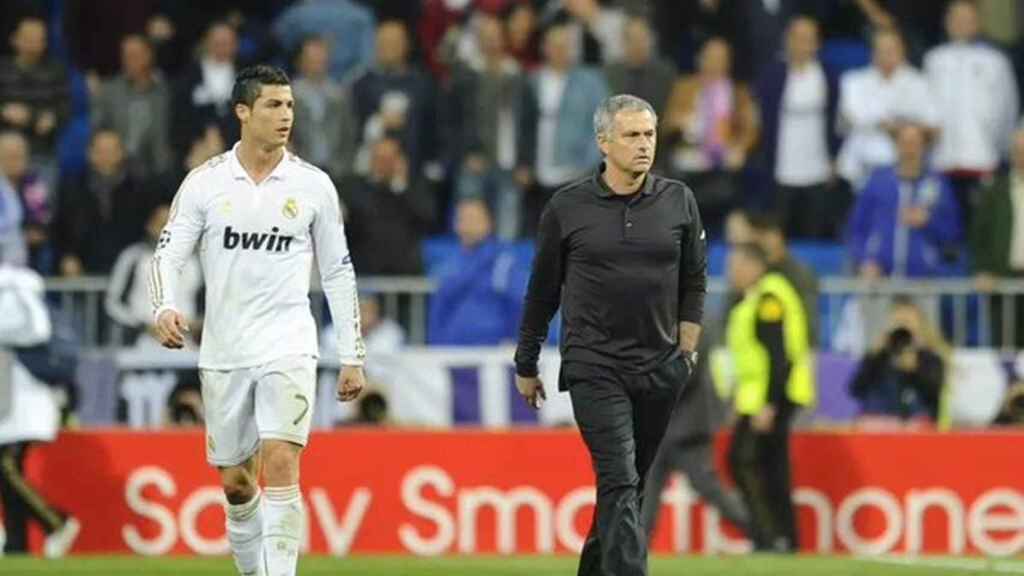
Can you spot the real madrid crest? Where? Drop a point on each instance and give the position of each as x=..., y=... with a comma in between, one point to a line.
x=291, y=209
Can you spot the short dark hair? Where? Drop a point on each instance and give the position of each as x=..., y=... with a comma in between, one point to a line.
x=250, y=82
x=752, y=251
x=765, y=221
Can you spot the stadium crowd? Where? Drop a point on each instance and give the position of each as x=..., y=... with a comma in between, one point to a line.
x=887, y=127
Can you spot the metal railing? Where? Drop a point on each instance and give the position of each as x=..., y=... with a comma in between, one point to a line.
x=966, y=317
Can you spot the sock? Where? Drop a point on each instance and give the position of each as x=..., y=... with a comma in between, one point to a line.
x=245, y=531
x=283, y=519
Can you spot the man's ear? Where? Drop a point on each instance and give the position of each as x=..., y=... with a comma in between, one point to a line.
x=602, y=143
x=242, y=112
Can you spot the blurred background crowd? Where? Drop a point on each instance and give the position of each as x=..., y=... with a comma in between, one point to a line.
x=877, y=140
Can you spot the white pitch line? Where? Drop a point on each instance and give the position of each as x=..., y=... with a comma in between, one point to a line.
x=971, y=565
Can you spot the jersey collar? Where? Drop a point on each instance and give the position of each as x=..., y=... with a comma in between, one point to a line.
x=239, y=173
x=603, y=190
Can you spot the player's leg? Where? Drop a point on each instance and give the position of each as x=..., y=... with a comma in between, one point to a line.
x=232, y=445
x=656, y=480
x=697, y=461
x=285, y=393
x=244, y=514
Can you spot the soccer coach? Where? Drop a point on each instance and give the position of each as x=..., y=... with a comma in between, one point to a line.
x=623, y=253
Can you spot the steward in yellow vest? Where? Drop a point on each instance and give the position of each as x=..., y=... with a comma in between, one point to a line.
x=774, y=375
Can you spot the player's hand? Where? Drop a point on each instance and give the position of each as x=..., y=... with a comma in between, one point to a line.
x=171, y=327
x=351, y=382
x=532, y=390
x=763, y=420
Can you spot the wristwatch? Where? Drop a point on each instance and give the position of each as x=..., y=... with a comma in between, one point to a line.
x=690, y=358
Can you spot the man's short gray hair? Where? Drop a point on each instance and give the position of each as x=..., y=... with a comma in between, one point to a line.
x=604, y=116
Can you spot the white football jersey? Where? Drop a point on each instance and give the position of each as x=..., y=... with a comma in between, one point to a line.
x=256, y=246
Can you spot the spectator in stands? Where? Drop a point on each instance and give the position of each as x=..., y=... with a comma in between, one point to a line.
x=758, y=32
x=203, y=95
x=873, y=102
x=906, y=220
x=325, y=128
x=479, y=294
x=738, y=229
x=208, y=145
x=34, y=198
x=976, y=95
x=346, y=26
x=521, y=27
x=997, y=245
x=34, y=95
x=709, y=128
x=903, y=377
x=396, y=98
x=98, y=215
x=381, y=334
x=768, y=234
x=185, y=406
x=388, y=212
x=798, y=104
x=486, y=100
x=136, y=105
x=595, y=29
x=12, y=239
x=127, y=300
x=641, y=72
x=383, y=337
x=556, y=143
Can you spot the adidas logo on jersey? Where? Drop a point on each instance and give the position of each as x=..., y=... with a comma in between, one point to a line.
x=257, y=241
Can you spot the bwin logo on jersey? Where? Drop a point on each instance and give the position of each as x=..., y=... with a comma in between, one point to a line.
x=257, y=241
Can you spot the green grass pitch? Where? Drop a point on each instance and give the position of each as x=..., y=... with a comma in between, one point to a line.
x=518, y=566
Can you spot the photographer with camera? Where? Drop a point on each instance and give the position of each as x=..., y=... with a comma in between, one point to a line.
x=902, y=380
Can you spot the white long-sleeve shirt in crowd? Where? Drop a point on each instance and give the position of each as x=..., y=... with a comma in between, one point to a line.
x=128, y=301
x=28, y=410
x=976, y=94
x=256, y=247
x=868, y=100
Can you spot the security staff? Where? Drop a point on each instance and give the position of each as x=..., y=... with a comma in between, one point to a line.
x=768, y=341
x=622, y=252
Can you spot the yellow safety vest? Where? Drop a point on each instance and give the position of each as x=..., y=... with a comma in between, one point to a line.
x=750, y=358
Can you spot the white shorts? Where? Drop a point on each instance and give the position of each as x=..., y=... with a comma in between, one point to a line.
x=273, y=401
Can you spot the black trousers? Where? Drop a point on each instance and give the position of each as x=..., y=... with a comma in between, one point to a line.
x=760, y=468
x=622, y=418
x=1006, y=320
x=693, y=457
x=21, y=501
x=809, y=210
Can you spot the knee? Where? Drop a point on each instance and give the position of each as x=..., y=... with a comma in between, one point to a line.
x=239, y=485
x=618, y=481
x=281, y=463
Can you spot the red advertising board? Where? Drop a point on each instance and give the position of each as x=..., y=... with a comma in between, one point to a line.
x=525, y=492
